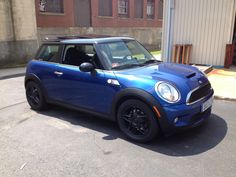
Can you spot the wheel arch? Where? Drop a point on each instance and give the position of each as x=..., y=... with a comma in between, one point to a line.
x=32, y=77
x=35, y=78
x=133, y=93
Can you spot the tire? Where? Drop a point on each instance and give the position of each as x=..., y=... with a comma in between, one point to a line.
x=137, y=121
x=35, y=97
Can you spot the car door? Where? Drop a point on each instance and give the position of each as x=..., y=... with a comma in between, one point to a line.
x=48, y=60
x=81, y=89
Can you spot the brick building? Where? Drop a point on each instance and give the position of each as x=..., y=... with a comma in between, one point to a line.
x=24, y=24
x=141, y=19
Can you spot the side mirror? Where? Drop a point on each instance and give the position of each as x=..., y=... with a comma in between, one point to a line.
x=86, y=67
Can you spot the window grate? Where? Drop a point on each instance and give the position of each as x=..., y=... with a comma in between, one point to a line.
x=123, y=6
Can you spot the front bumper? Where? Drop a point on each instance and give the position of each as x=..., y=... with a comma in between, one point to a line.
x=184, y=116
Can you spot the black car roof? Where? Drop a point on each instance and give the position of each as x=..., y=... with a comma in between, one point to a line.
x=82, y=39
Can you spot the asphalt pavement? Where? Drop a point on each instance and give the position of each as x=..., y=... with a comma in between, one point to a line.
x=61, y=143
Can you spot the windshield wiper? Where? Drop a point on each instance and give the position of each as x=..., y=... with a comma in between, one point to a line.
x=130, y=65
x=151, y=61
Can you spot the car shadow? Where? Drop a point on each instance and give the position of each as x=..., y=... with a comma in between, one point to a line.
x=193, y=141
x=190, y=142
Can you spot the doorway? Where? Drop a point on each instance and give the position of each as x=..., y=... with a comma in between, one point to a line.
x=83, y=13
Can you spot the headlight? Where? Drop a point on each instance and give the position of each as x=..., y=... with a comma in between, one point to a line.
x=167, y=92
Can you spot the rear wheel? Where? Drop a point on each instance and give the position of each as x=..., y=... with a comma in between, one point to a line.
x=35, y=96
x=137, y=121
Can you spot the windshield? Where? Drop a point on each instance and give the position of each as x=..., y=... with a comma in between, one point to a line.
x=125, y=54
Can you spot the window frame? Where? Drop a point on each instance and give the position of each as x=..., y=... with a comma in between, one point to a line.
x=50, y=12
x=125, y=6
x=63, y=54
x=102, y=15
x=142, y=6
x=66, y=48
x=159, y=6
x=152, y=2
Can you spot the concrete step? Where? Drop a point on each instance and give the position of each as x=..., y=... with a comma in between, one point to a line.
x=204, y=68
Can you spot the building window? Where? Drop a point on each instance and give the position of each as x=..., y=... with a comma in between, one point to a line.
x=150, y=9
x=160, y=9
x=105, y=8
x=123, y=8
x=138, y=9
x=51, y=6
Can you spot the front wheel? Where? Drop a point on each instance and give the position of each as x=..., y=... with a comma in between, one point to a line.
x=35, y=96
x=137, y=121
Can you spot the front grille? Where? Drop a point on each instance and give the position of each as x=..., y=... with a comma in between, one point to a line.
x=200, y=93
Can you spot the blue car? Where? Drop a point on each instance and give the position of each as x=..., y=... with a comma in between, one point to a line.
x=118, y=79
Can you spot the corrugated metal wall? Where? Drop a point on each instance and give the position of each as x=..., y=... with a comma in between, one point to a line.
x=207, y=24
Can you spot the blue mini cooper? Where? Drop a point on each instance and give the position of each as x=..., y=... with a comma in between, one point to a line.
x=118, y=79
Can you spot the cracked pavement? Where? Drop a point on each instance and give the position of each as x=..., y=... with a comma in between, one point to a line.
x=61, y=142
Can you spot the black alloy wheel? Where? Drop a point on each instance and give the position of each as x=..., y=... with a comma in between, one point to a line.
x=35, y=96
x=137, y=121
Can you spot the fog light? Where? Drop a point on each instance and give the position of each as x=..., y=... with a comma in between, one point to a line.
x=176, y=120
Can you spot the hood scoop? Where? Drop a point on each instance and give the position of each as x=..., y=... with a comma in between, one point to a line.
x=191, y=75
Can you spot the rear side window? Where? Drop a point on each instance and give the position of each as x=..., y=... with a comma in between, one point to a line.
x=49, y=53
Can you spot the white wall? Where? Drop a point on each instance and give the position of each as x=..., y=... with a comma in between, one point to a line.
x=24, y=19
x=6, y=30
x=206, y=24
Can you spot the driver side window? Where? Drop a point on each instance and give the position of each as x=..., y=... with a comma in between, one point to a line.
x=77, y=54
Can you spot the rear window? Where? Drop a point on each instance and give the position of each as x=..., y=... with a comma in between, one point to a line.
x=49, y=53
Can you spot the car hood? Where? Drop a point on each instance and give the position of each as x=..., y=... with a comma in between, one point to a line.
x=176, y=74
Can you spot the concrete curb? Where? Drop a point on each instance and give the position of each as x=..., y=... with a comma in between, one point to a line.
x=224, y=98
x=204, y=68
x=208, y=70
x=12, y=76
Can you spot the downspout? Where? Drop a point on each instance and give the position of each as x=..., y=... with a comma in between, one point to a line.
x=12, y=20
x=169, y=29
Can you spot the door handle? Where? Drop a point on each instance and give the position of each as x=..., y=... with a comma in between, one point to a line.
x=58, y=73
